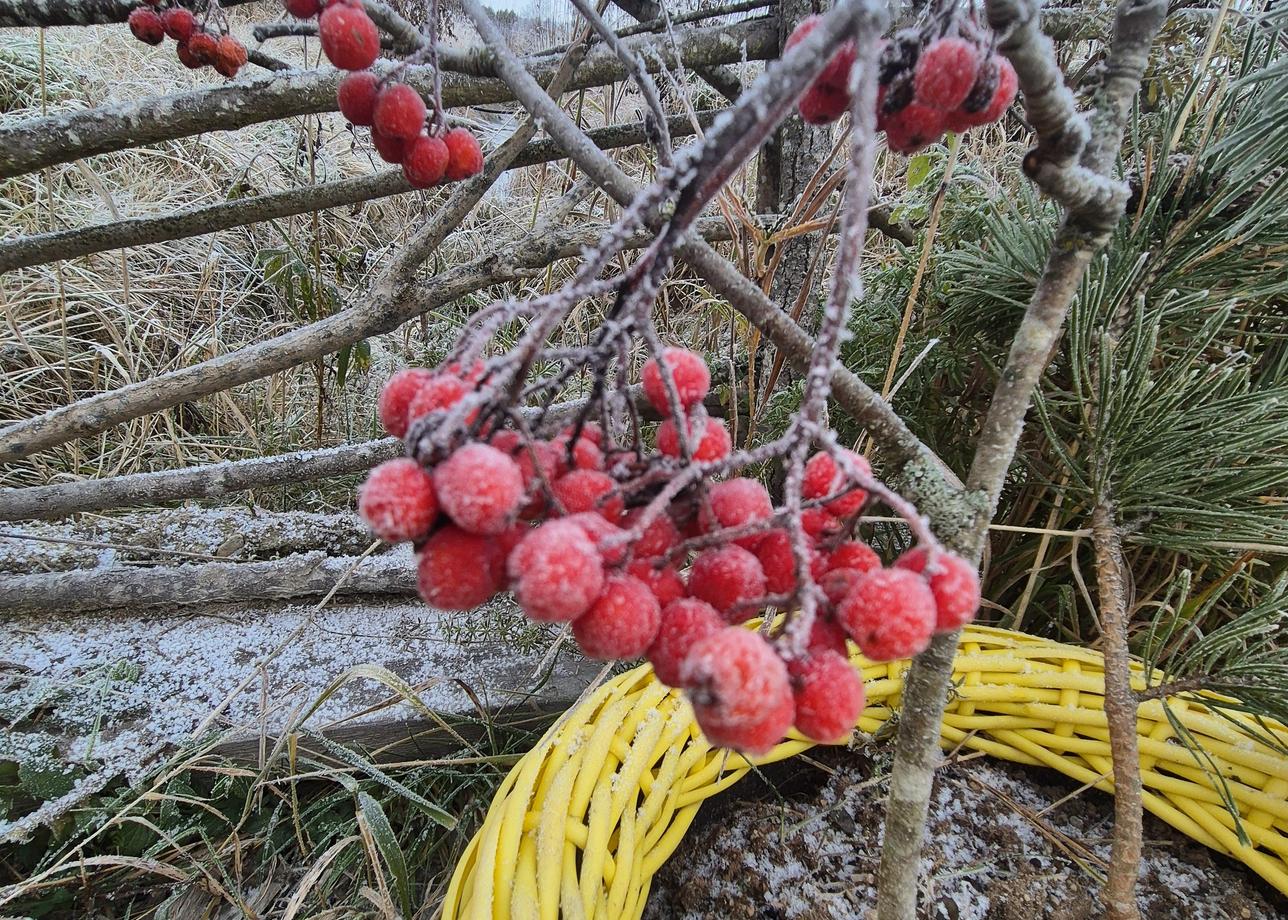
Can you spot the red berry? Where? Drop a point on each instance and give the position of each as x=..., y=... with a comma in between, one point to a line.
x=458, y=570
x=824, y=477
x=590, y=431
x=547, y=461
x=684, y=622
x=303, y=9
x=853, y=554
x=945, y=73
x=837, y=72
x=350, y=40
x=507, y=441
x=424, y=160
x=399, y=112
x=691, y=375
x=838, y=583
x=913, y=127
x=178, y=23
x=659, y=536
x=396, y=396
x=356, y=97
x=599, y=530
x=740, y=690
x=1007, y=84
x=714, y=443
x=822, y=105
x=727, y=577
x=734, y=503
x=439, y=392
x=828, y=694
x=146, y=26
x=665, y=582
x=465, y=158
x=187, y=57
x=825, y=635
x=779, y=564
x=586, y=455
x=818, y=524
x=390, y=149
x=507, y=540
x=230, y=56
x=622, y=622
x=890, y=613
x=479, y=488
x=557, y=572
x=397, y=501
x=589, y=490
x=955, y=585
x=203, y=47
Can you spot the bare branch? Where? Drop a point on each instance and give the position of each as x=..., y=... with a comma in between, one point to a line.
x=38, y=142
x=721, y=79
x=32, y=13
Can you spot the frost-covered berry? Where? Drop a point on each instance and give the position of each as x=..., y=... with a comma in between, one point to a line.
x=659, y=536
x=399, y=112
x=690, y=373
x=589, y=490
x=178, y=23
x=913, y=127
x=479, y=488
x=734, y=503
x=396, y=396
x=465, y=157
x=390, y=149
x=1004, y=95
x=838, y=583
x=583, y=453
x=684, y=622
x=424, y=161
x=741, y=694
x=356, y=97
x=710, y=439
x=818, y=524
x=350, y=40
x=890, y=613
x=853, y=554
x=303, y=9
x=458, y=570
x=590, y=431
x=146, y=26
x=774, y=550
x=822, y=105
x=824, y=477
x=664, y=581
x=230, y=56
x=398, y=502
x=557, y=572
x=829, y=698
x=439, y=392
x=599, y=530
x=825, y=635
x=622, y=623
x=202, y=48
x=955, y=585
x=187, y=57
x=725, y=578
x=507, y=441
x=945, y=73
x=537, y=460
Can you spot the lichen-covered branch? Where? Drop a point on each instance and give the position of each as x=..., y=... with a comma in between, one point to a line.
x=34, y=143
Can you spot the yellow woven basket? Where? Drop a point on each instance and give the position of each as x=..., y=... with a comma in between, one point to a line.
x=585, y=819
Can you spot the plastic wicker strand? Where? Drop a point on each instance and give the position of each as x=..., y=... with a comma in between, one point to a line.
x=587, y=817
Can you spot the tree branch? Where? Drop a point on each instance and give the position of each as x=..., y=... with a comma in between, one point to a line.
x=723, y=80
x=67, y=244
x=33, y=13
x=35, y=143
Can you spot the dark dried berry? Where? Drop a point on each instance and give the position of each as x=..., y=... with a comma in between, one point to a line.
x=984, y=88
x=899, y=56
x=898, y=94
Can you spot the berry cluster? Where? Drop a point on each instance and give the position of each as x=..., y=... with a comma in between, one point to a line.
x=393, y=111
x=942, y=76
x=195, y=46
x=587, y=526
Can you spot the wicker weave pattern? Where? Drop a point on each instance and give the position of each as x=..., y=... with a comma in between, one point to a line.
x=586, y=818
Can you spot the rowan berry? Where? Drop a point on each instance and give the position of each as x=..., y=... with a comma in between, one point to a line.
x=664, y=581
x=187, y=57
x=622, y=623
x=822, y=105
x=590, y=431
x=955, y=585
x=890, y=613
x=303, y=9
x=465, y=157
x=1007, y=84
x=557, y=572
x=424, y=160
x=585, y=453
x=828, y=696
x=589, y=490
x=390, y=149
x=356, y=97
x=727, y=578
x=146, y=26
x=599, y=530
x=399, y=112
x=837, y=583
x=913, y=127
x=684, y=622
x=774, y=551
x=735, y=503
x=203, y=47
x=688, y=370
x=396, y=396
x=178, y=23
x=825, y=635
x=713, y=444
x=740, y=690
x=824, y=477
x=853, y=554
x=479, y=488
x=818, y=524
x=438, y=393
x=945, y=73
x=350, y=40
x=398, y=502
x=230, y=56
x=458, y=570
